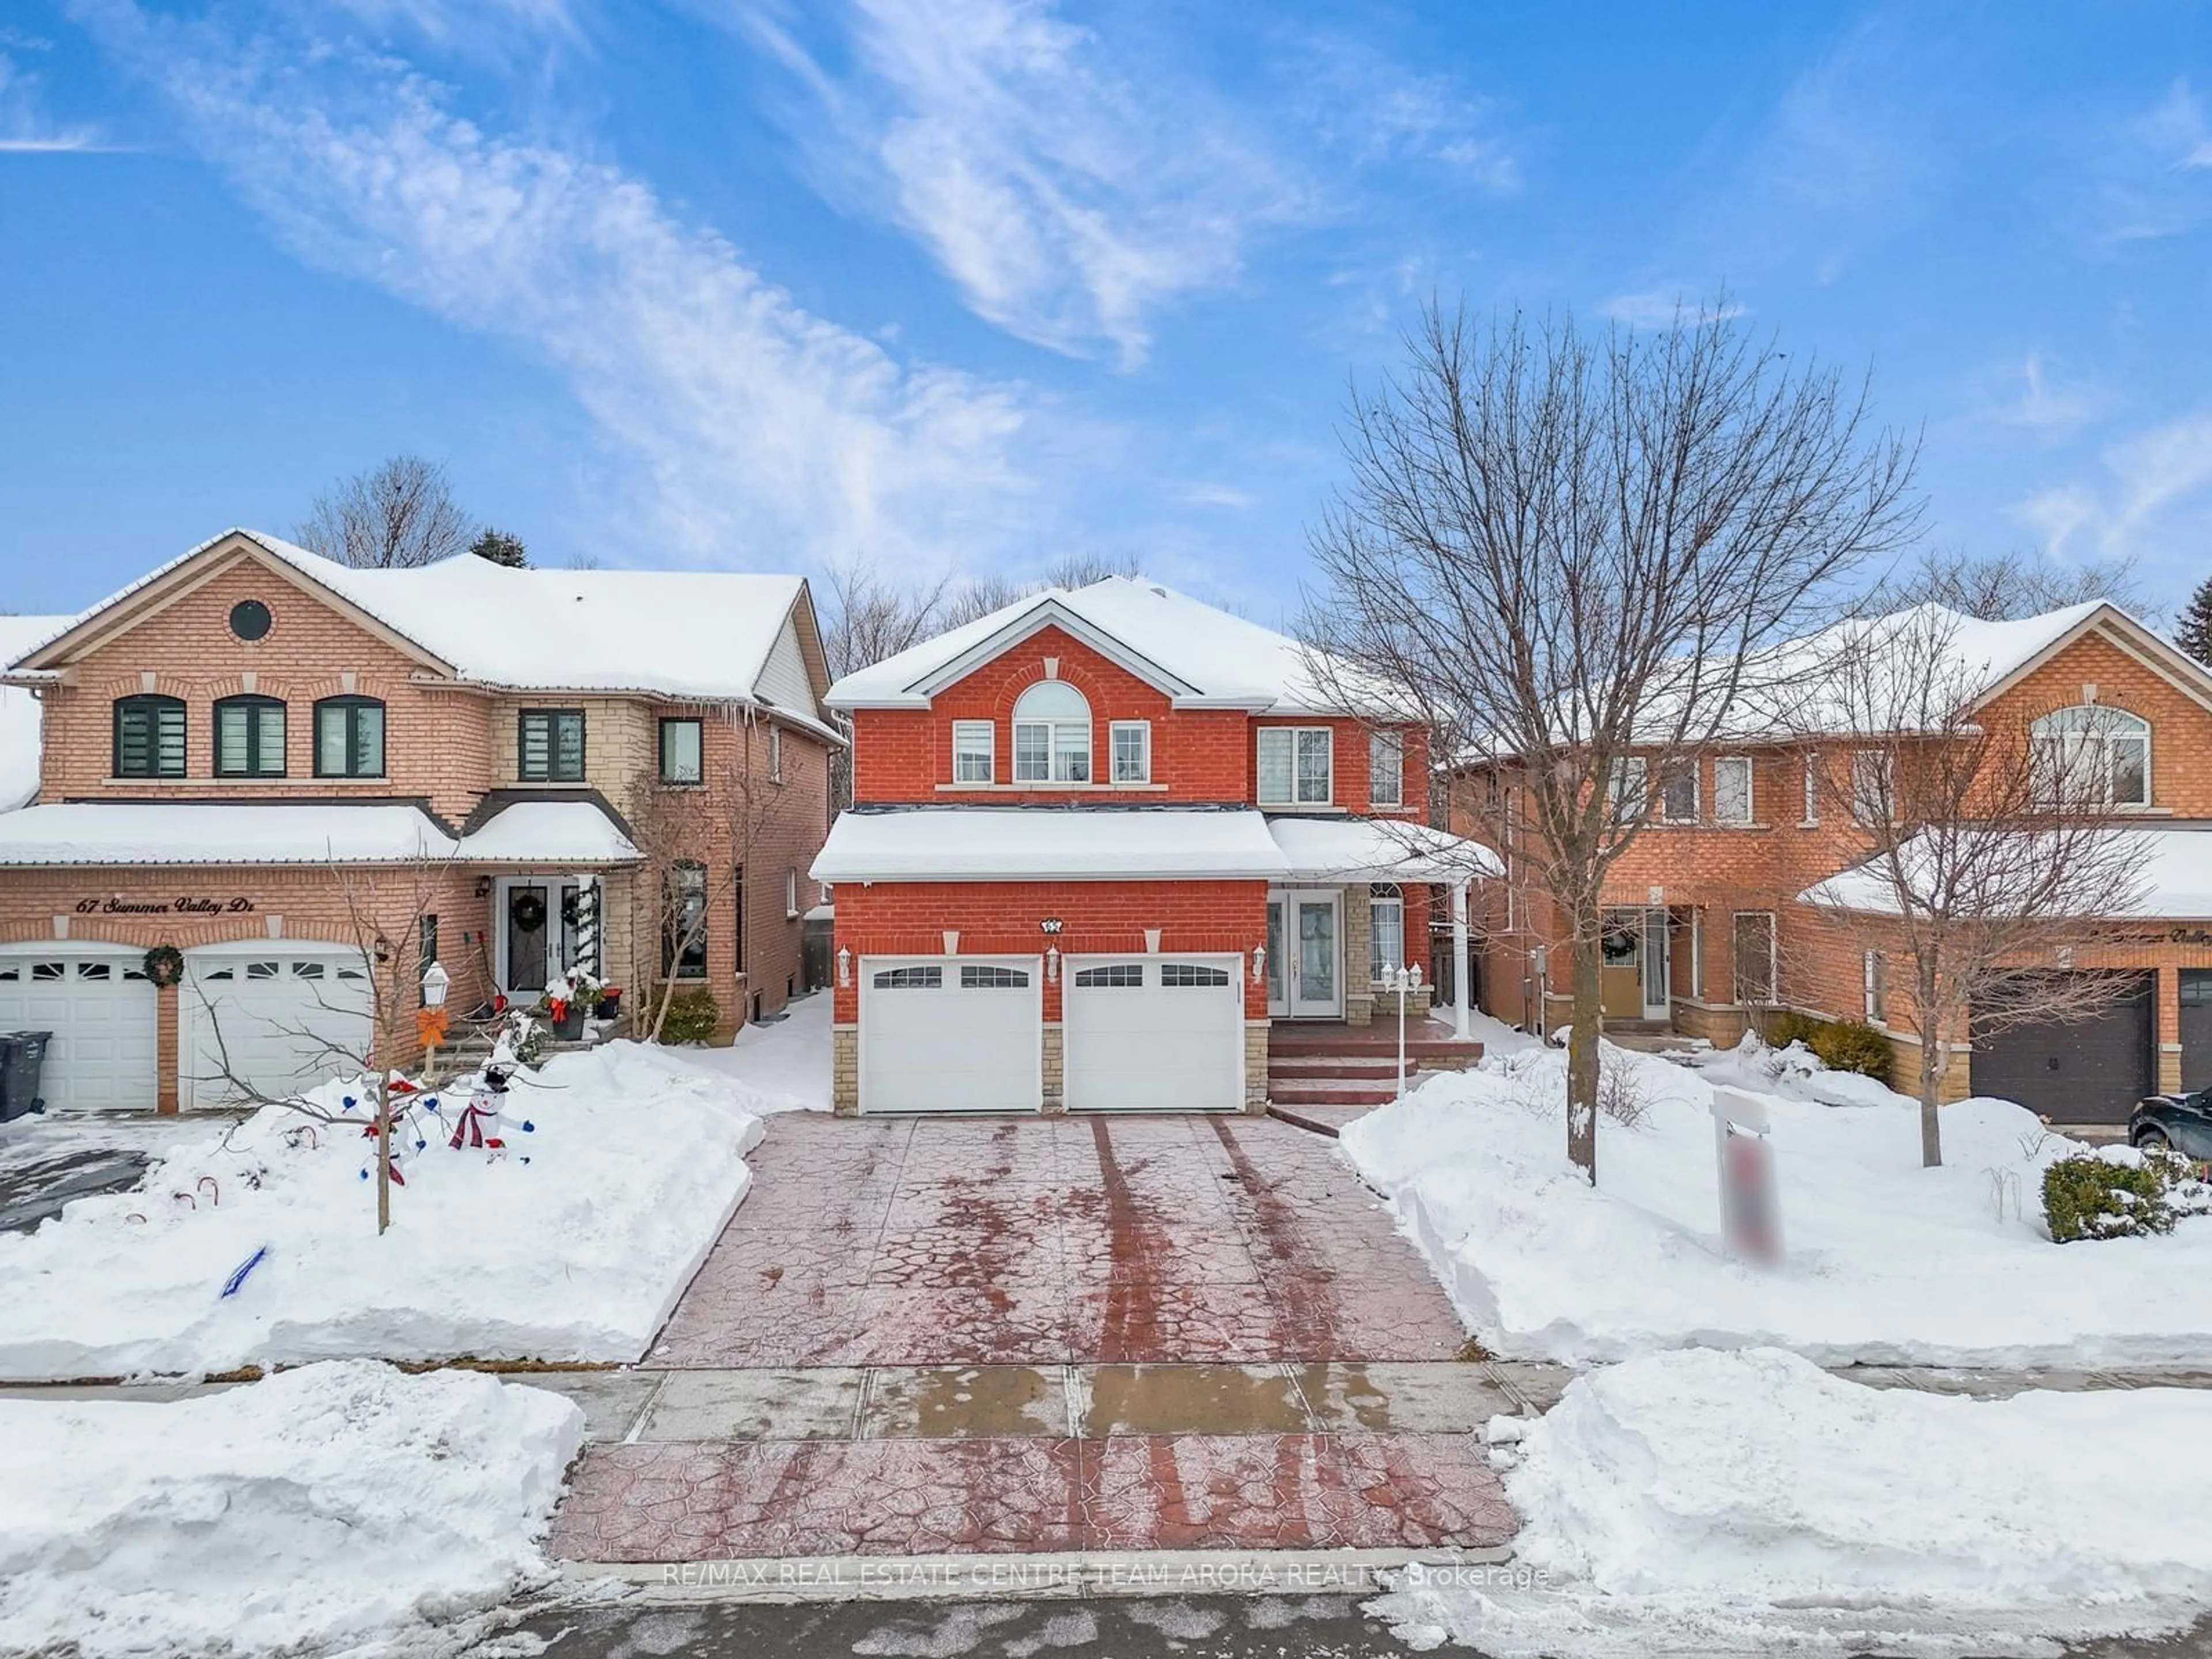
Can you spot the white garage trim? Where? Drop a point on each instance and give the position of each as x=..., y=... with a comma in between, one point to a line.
x=952, y=1034
x=1153, y=1033
x=103, y=1012
x=274, y=1009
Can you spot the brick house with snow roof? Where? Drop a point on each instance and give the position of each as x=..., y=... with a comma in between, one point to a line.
x=270, y=761
x=1104, y=841
x=1723, y=909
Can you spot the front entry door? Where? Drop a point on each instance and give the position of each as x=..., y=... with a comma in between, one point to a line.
x=1306, y=953
x=537, y=932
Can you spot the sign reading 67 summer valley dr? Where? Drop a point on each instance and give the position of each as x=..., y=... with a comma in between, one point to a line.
x=117, y=905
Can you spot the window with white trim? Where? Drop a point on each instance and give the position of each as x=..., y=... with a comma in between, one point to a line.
x=1677, y=791
x=775, y=754
x=1875, y=972
x=1296, y=765
x=1812, y=788
x=1873, y=781
x=790, y=894
x=1732, y=788
x=1052, y=734
x=1629, y=788
x=2093, y=756
x=1133, y=752
x=973, y=746
x=1386, y=769
x=1386, y=930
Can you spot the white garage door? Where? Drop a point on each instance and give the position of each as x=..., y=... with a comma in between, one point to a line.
x=101, y=1009
x=952, y=1034
x=266, y=1018
x=1153, y=1033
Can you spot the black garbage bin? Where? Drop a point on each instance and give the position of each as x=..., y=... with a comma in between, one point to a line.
x=22, y=1055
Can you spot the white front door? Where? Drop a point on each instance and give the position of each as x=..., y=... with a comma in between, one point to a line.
x=1153, y=1033
x=271, y=1019
x=1306, y=953
x=952, y=1034
x=102, y=1010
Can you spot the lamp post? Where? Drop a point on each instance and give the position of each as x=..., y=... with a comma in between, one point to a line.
x=1405, y=981
x=436, y=982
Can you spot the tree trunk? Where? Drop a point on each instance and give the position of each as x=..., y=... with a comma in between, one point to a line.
x=383, y=1152
x=1933, y=1051
x=1583, y=1040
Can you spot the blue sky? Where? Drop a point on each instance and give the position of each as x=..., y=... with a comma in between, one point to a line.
x=774, y=284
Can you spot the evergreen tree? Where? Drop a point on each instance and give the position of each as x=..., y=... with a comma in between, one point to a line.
x=2193, y=633
x=501, y=548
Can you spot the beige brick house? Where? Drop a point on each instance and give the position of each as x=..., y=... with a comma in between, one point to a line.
x=312, y=780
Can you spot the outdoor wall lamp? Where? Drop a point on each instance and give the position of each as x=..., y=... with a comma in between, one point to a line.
x=1052, y=964
x=845, y=967
x=1259, y=964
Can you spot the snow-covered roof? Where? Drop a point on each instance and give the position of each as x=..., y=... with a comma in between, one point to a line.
x=1198, y=655
x=561, y=832
x=565, y=833
x=2173, y=882
x=1377, y=849
x=19, y=711
x=133, y=833
x=704, y=634
x=1017, y=843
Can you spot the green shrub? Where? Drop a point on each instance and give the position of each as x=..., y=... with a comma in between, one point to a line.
x=692, y=1017
x=1851, y=1045
x=1786, y=1025
x=2085, y=1197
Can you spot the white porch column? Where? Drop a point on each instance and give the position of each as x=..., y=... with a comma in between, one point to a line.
x=1462, y=964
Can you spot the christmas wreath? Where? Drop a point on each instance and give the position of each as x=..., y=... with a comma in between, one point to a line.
x=164, y=964
x=526, y=909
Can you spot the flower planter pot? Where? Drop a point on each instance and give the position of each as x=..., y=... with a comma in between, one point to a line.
x=569, y=1028
x=608, y=1006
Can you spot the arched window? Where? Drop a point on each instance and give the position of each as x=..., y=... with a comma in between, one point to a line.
x=149, y=736
x=349, y=738
x=249, y=738
x=1052, y=734
x=2092, y=755
x=1386, y=930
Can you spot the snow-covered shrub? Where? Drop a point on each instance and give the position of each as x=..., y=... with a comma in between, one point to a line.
x=2093, y=1197
x=1621, y=1095
x=1786, y=1025
x=692, y=1017
x=1851, y=1045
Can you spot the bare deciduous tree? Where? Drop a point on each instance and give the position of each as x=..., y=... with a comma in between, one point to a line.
x=398, y=514
x=1573, y=550
x=1995, y=859
x=2004, y=586
x=678, y=832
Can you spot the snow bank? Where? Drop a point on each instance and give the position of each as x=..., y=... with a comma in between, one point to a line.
x=1751, y=1503
x=573, y=1247
x=1885, y=1261
x=784, y=1062
x=312, y=1511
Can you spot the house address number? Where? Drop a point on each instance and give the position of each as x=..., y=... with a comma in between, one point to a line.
x=176, y=907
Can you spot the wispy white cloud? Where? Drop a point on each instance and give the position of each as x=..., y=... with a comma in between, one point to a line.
x=1360, y=101
x=26, y=128
x=768, y=433
x=1215, y=495
x=2151, y=497
x=1067, y=191
x=1660, y=308
x=2176, y=131
x=2038, y=403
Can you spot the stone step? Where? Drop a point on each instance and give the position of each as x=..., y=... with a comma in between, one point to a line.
x=1340, y=1066
x=1324, y=1092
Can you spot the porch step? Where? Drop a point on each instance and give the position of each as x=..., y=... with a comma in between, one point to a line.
x=1429, y=1045
x=1318, y=1092
x=1341, y=1066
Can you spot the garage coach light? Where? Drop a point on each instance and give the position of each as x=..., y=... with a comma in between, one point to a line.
x=1259, y=964
x=845, y=966
x=1052, y=964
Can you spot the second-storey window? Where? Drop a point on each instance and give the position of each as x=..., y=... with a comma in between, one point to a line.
x=1052, y=734
x=550, y=745
x=1297, y=766
x=775, y=754
x=249, y=738
x=1386, y=769
x=972, y=757
x=683, y=751
x=1133, y=752
x=349, y=738
x=1677, y=791
x=1629, y=788
x=1732, y=789
x=149, y=738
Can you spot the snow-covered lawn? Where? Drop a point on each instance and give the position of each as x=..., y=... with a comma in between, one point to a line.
x=573, y=1247
x=786, y=1062
x=1719, y=1503
x=1886, y=1261
x=326, y=1507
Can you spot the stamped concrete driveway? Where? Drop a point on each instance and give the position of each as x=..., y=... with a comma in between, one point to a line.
x=905, y=1242
x=1049, y=1335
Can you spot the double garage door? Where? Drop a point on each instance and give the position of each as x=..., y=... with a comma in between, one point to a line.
x=267, y=1016
x=1138, y=1033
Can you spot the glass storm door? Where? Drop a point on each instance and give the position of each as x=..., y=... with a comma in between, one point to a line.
x=1305, y=954
x=529, y=915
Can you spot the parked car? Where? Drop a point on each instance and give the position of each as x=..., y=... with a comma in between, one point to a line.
x=2183, y=1122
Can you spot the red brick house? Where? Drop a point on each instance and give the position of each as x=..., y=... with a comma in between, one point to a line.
x=1103, y=841
x=1723, y=908
x=312, y=780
